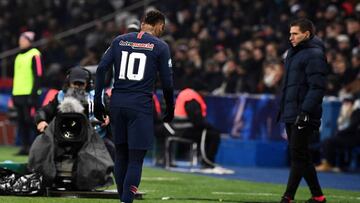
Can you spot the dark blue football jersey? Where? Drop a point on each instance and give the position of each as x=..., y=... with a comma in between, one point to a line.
x=136, y=59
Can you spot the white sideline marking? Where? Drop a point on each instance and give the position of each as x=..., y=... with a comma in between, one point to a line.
x=342, y=197
x=148, y=191
x=245, y=193
x=272, y=194
x=161, y=178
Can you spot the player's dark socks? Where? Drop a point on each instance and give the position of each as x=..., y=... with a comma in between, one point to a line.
x=133, y=175
x=318, y=199
x=121, y=164
x=285, y=199
x=128, y=196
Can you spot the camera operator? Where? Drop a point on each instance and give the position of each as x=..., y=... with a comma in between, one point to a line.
x=77, y=85
x=69, y=153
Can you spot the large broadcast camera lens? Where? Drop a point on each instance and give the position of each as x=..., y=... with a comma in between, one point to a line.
x=70, y=129
x=70, y=135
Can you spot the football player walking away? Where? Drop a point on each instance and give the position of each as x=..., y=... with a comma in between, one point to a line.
x=137, y=57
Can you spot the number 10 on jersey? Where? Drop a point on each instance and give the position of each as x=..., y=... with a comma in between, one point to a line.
x=127, y=66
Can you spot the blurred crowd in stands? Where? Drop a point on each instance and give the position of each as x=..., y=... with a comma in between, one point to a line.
x=221, y=46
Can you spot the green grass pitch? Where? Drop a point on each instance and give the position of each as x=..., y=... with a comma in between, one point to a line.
x=164, y=186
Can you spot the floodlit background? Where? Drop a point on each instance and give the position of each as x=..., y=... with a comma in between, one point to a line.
x=233, y=50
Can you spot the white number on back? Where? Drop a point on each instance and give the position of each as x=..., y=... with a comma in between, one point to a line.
x=128, y=63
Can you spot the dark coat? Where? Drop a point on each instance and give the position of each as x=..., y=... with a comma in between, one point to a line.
x=304, y=82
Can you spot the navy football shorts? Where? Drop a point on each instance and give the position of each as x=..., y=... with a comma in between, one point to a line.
x=132, y=127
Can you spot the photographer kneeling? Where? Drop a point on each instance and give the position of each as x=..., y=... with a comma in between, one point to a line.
x=68, y=141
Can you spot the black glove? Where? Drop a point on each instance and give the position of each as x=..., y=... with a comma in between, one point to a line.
x=169, y=114
x=302, y=120
x=99, y=111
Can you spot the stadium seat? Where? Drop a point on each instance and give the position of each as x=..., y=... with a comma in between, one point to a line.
x=170, y=148
x=169, y=155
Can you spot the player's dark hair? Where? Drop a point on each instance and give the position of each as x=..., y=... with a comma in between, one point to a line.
x=304, y=25
x=153, y=17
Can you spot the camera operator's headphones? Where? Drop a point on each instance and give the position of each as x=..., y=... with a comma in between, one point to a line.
x=89, y=78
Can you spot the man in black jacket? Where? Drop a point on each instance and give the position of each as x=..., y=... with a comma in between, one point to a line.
x=300, y=109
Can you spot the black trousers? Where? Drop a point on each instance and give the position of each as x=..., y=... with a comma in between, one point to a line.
x=25, y=124
x=301, y=162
